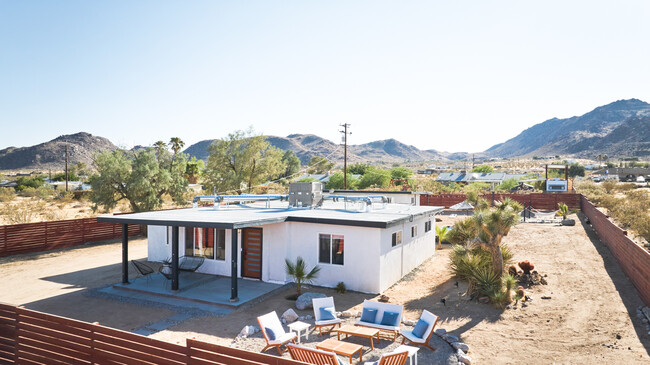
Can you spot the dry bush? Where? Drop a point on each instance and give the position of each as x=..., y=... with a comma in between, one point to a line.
x=26, y=211
x=625, y=187
x=7, y=194
x=43, y=192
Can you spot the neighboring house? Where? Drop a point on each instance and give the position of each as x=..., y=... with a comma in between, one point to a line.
x=369, y=247
x=470, y=177
x=624, y=173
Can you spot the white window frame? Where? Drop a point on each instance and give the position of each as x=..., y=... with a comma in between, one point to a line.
x=399, y=238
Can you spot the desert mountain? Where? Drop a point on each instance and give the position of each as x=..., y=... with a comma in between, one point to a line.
x=51, y=155
x=617, y=129
x=308, y=145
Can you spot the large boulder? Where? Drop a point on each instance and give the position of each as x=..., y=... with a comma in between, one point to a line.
x=304, y=301
x=290, y=315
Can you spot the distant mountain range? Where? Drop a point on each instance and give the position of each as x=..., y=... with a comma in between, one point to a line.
x=51, y=155
x=308, y=145
x=621, y=128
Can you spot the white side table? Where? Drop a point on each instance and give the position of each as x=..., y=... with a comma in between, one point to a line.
x=297, y=327
x=413, y=353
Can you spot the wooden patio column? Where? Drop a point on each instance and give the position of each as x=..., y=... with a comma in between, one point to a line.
x=174, y=258
x=125, y=253
x=234, y=256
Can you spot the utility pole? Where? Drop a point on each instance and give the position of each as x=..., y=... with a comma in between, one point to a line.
x=345, y=154
x=66, y=167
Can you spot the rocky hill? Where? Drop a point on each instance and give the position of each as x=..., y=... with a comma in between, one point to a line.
x=308, y=145
x=617, y=129
x=51, y=155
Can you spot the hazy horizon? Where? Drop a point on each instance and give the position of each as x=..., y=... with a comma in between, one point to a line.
x=437, y=75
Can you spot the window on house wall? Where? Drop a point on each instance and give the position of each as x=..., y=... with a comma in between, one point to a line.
x=427, y=226
x=206, y=242
x=397, y=238
x=331, y=249
x=414, y=231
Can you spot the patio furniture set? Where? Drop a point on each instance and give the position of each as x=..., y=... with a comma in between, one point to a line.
x=376, y=318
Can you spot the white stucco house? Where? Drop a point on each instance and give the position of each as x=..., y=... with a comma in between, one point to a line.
x=363, y=242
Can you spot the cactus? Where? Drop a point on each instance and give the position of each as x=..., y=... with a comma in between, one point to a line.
x=527, y=266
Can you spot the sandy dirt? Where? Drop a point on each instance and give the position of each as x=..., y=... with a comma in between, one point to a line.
x=591, y=301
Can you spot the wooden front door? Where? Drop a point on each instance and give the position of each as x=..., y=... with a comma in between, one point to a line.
x=252, y=253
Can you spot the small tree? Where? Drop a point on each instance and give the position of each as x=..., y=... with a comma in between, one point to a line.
x=336, y=181
x=292, y=163
x=441, y=234
x=483, y=169
x=299, y=274
x=319, y=165
x=374, y=177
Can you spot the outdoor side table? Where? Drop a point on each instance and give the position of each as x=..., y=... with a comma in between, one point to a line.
x=297, y=327
x=413, y=353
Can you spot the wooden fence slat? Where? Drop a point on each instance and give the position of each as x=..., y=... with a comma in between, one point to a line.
x=62, y=353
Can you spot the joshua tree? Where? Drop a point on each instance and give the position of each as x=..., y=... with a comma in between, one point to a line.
x=493, y=225
x=298, y=272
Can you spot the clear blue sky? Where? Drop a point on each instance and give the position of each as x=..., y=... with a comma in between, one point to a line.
x=445, y=75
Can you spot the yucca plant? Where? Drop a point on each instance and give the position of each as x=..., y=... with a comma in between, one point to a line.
x=298, y=272
x=563, y=210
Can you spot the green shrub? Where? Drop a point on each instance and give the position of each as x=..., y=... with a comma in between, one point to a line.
x=340, y=288
x=25, y=182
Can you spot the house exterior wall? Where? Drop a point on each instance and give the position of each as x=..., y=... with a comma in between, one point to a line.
x=371, y=264
x=396, y=262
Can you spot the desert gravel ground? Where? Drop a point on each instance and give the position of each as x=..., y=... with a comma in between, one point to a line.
x=589, y=318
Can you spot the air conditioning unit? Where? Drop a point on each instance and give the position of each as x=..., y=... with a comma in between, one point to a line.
x=554, y=185
x=305, y=194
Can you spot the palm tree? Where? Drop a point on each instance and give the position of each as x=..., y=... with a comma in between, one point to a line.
x=495, y=224
x=298, y=272
x=159, y=146
x=441, y=233
x=563, y=210
x=177, y=144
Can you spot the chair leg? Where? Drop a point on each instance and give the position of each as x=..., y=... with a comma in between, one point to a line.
x=279, y=350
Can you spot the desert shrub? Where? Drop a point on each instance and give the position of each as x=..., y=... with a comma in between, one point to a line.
x=7, y=194
x=43, y=192
x=61, y=177
x=486, y=281
x=25, y=182
x=625, y=187
x=340, y=288
x=609, y=186
x=22, y=212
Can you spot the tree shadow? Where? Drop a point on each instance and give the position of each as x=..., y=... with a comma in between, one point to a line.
x=626, y=290
x=456, y=307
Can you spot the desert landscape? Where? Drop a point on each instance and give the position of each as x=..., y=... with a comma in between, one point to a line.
x=588, y=314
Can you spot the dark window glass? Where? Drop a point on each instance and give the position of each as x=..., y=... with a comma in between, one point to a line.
x=337, y=250
x=221, y=244
x=189, y=241
x=324, y=248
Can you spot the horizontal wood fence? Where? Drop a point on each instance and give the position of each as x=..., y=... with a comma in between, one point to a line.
x=30, y=337
x=545, y=201
x=43, y=236
x=633, y=259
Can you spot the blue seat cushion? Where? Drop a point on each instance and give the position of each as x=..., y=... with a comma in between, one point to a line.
x=270, y=333
x=327, y=313
x=420, y=328
x=390, y=319
x=369, y=315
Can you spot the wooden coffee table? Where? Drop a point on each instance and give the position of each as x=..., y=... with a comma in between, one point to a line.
x=366, y=332
x=341, y=348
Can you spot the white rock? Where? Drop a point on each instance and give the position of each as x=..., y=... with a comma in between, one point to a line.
x=247, y=331
x=289, y=316
x=257, y=329
x=338, y=314
x=409, y=322
x=308, y=317
x=463, y=358
x=284, y=321
x=440, y=332
x=346, y=314
x=460, y=346
x=358, y=314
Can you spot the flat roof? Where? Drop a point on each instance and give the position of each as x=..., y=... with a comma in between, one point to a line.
x=237, y=216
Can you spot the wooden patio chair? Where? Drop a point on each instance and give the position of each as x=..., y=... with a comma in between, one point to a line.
x=318, y=304
x=144, y=269
x=314, y=356
x=273, y=332
x=431, y=320
x=397, y=358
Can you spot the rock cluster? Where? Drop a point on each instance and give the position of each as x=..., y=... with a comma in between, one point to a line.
x=461, y=348
x=304, y=300
x=643, y=313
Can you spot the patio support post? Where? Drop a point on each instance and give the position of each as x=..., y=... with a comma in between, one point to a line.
x=125, y=253
x=174, y=258
x=233, y=266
